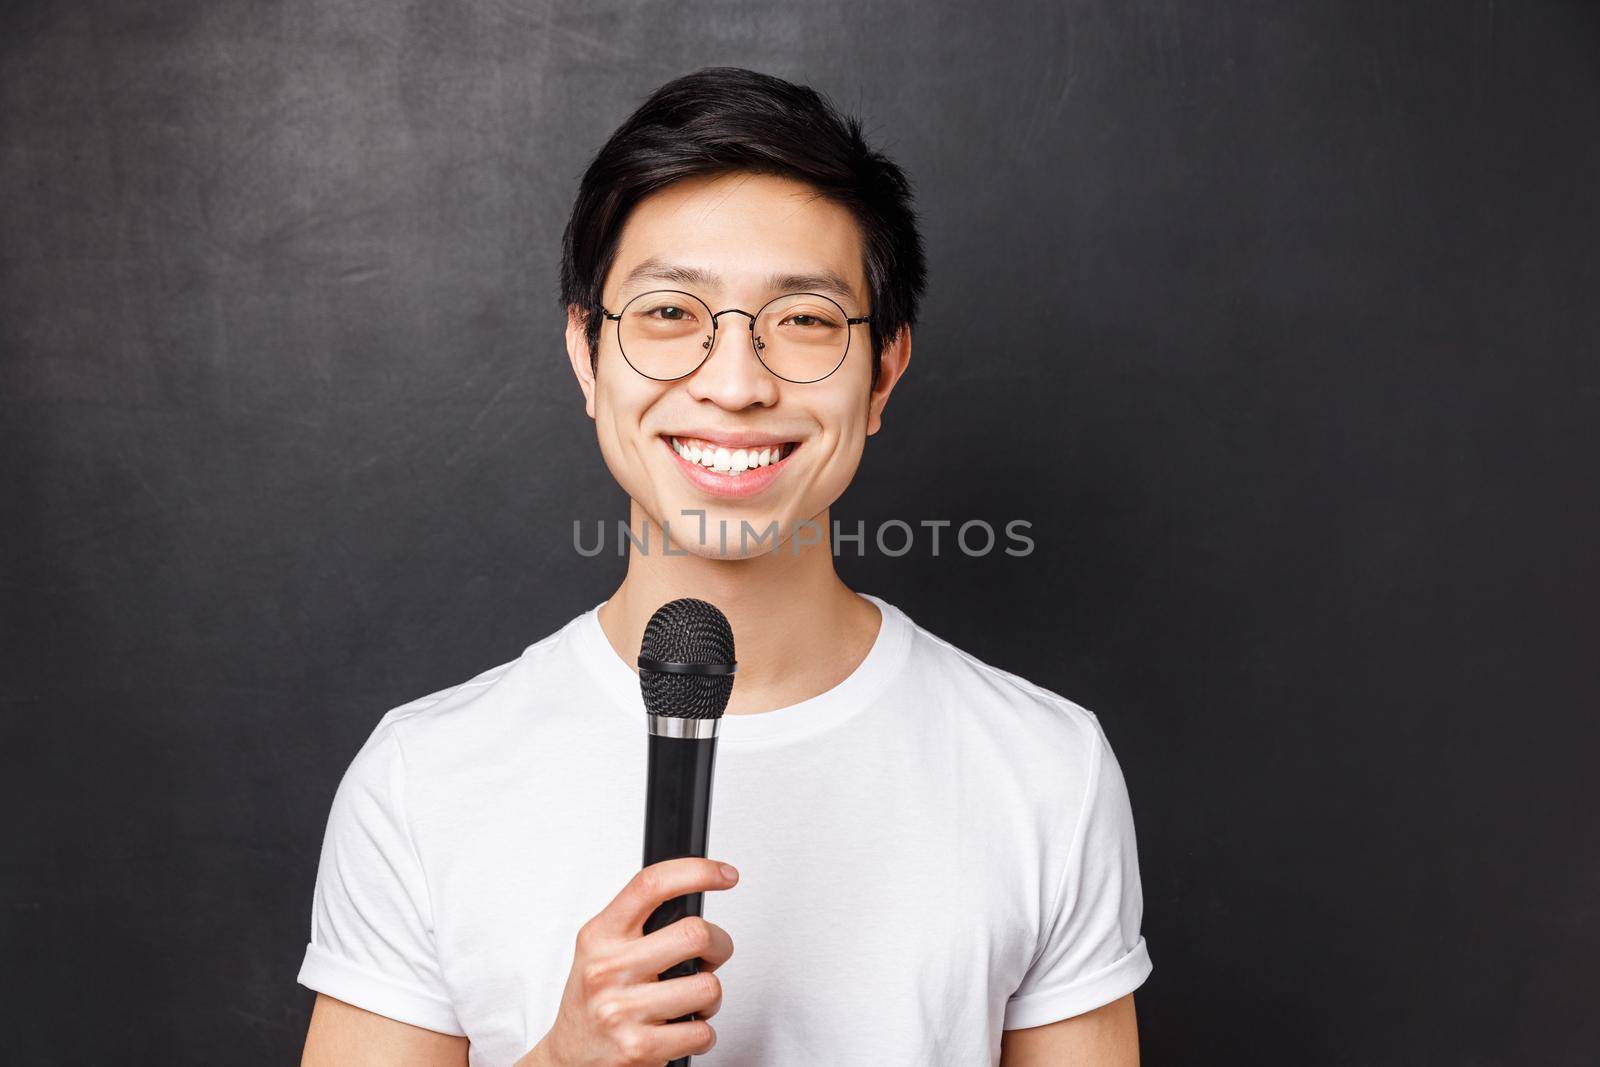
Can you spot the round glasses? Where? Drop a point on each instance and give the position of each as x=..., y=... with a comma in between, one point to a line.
x=666, y=334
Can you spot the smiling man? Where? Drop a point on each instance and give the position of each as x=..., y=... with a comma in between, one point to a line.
x=935, y=858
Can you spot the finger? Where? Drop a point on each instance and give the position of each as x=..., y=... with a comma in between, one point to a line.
x=697, y=994
x=645, y=891
x=675, y=1040
x=691, y=937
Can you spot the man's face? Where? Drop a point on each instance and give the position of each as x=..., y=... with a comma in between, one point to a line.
x=739, y=230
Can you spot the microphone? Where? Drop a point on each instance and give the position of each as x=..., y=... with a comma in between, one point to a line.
x=686, y=670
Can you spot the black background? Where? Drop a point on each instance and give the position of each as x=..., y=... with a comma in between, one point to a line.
x=1278, y=322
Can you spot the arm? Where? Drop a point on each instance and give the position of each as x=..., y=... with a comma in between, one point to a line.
x=342, y=1035
x=371, y=957
x=1108, y=1036
x=1075, y=1004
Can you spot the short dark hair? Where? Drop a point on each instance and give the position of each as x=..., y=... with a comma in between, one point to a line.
x=722, y=120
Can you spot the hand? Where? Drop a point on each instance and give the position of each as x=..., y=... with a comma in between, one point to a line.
x=614, y=1009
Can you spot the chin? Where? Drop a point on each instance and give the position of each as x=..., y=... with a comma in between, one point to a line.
x=713, y=531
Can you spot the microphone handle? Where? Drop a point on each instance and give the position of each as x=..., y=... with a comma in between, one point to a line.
x=676, y=814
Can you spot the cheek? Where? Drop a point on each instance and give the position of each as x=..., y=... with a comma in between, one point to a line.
x=605, y=422
x=617, y=415
x=847, y=423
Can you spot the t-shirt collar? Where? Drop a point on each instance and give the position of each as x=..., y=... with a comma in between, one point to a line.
x=854, y=695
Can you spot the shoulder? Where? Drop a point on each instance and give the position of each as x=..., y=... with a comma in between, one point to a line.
x=450, y=704
x=480, y=712
x=1003, y=697
x=1047, y=768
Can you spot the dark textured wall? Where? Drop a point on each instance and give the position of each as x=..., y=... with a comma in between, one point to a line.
x=1278, y=321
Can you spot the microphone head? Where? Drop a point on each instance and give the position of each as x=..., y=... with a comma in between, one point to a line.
x=682, y=635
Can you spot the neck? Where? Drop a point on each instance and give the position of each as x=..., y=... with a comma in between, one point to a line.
x=798, y=629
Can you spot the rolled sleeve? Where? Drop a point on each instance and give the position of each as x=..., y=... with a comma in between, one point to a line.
x=1092, y=952
x=372, y=936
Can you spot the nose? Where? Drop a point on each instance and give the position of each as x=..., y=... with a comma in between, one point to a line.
x=732, y=377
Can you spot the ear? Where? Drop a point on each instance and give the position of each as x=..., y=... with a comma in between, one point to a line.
x=891, y=365
x=583, y=365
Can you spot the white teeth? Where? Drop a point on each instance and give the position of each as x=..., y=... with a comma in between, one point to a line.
x=730, y=461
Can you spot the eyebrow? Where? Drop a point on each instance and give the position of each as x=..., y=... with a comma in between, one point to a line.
x=824, y=281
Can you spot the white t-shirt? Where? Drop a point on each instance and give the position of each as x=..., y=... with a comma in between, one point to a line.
x=930, y=852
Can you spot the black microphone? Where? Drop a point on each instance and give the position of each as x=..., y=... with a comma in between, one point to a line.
x=686, y=669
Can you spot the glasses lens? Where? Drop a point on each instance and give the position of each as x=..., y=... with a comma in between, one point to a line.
x=802, y=336
x=664, y=334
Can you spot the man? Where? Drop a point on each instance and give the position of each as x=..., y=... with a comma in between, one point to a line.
x=935, y=859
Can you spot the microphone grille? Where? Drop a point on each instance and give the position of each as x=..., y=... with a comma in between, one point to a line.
x=687, y=631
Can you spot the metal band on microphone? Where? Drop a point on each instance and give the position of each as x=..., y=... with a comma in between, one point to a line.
x=693, y=729
x=646, y=663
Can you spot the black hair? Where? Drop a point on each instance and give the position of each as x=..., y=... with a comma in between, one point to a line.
x=722, y=120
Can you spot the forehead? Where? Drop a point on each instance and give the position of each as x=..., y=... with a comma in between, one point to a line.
x=739, y=235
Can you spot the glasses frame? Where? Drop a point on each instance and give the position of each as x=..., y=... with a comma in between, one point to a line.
x=755, y=343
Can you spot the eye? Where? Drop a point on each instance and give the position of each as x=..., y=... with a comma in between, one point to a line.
x=809, y=320
x=676, y=316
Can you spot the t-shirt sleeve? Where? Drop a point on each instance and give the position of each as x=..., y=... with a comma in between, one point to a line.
x=1092, y=952
x=372, y=942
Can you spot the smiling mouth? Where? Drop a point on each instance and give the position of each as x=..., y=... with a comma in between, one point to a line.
x=730, y=461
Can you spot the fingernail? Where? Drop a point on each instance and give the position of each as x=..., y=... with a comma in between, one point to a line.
x=729, y=873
